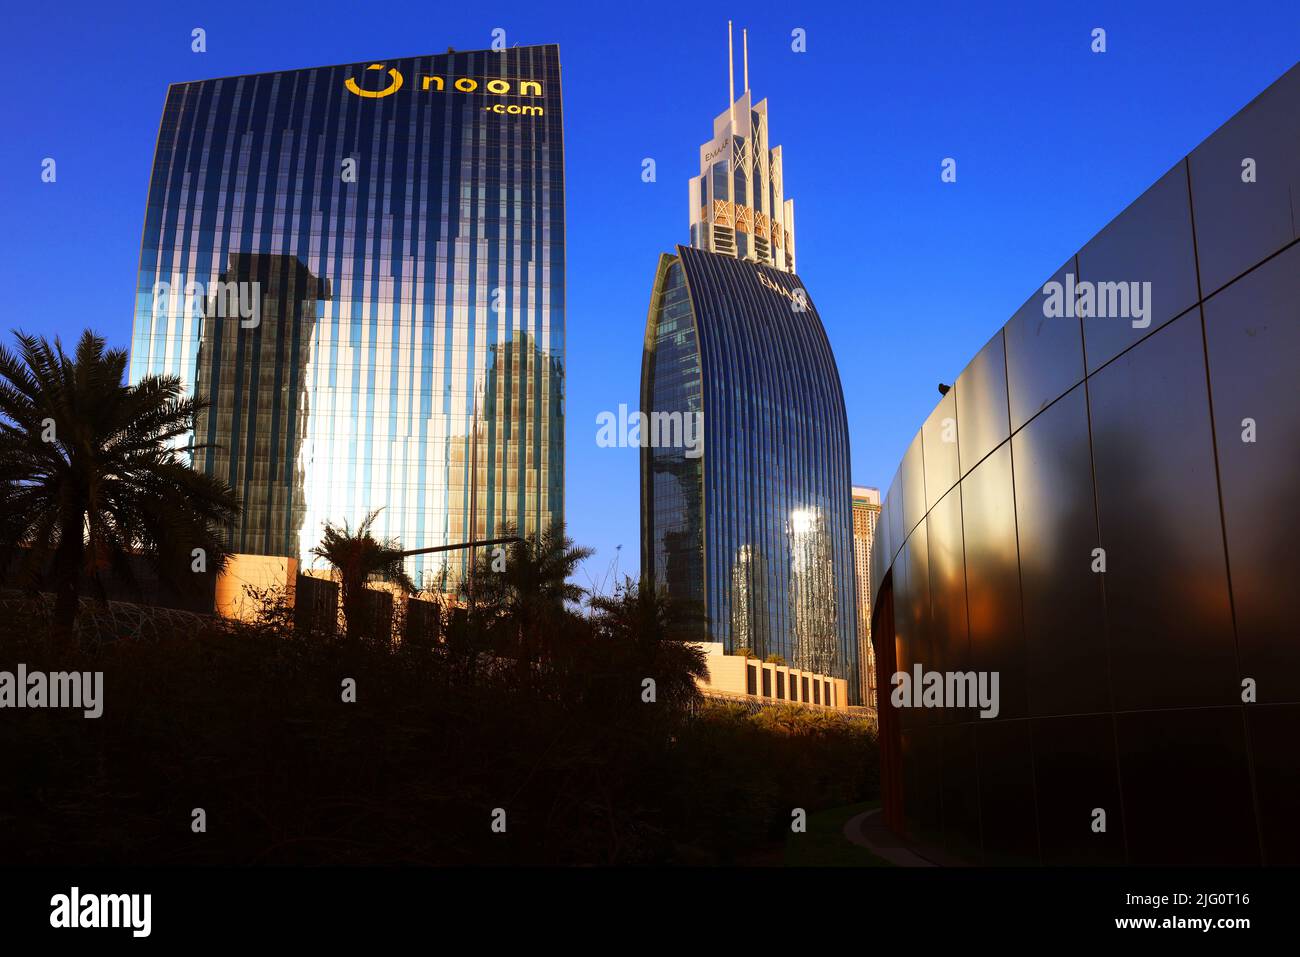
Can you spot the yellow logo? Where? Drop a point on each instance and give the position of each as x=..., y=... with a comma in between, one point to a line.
x=495, y=86
x=396, y=84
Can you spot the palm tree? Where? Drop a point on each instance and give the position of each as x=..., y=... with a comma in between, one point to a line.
x=661, y=635
x=356, y=556
x=92, y=475
x=524, y=593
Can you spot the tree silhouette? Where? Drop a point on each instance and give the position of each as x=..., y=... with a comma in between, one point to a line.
x=92, y=474
x=356, y=556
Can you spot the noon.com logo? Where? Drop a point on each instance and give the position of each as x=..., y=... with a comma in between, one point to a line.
x=395, y=84
x=495, y=86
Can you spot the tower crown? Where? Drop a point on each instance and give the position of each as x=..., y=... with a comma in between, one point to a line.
x=738, y=205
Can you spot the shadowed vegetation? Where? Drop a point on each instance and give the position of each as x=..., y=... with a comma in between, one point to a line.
x=90, y=475
x=247, y=721
x=355, y=557
x=577, y=715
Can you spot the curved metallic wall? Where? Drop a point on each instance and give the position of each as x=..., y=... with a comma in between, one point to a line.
x=1175, y=447
x=769, y=510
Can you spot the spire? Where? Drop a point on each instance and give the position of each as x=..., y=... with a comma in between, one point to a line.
x=737, y=202
x=731, y=68
x=744, y=35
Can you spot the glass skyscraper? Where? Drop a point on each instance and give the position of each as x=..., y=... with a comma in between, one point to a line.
x=753, y=530
x=361, y=269
x=866, y=513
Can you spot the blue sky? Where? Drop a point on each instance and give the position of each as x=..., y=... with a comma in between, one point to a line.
x=910, y=275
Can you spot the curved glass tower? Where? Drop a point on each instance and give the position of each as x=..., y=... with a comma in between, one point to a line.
x=361, y=269
x=754, y=529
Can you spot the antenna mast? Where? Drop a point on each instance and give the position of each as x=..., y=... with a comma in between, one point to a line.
x=744, y=33
x=731, y=68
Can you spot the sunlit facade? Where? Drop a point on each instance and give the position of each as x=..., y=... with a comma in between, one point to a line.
x=738, y=205
x=755, y=534
x=360, y=268
x=866, y=512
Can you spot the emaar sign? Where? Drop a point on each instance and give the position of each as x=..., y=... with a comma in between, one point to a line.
x=797, y=296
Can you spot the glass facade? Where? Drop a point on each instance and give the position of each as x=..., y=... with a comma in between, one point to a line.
x=672, y=484
x=757, y=530
x=1162, y=687
x=866, y=512
x=361, y=269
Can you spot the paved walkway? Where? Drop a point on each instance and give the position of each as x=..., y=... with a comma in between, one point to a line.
x=868, y=830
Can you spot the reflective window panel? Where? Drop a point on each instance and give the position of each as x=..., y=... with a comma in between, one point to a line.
x=1065, y=633
x=361, y=269
x=982, y=422
x=1253, y=332
x=1165, y=582
x=1139, y=272
x=1044, y=354
x=1246, y=185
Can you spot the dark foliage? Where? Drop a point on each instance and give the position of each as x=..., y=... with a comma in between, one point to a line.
x=247, y=722
x=90, y=476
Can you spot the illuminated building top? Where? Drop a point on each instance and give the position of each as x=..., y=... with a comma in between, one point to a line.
x=738, y=207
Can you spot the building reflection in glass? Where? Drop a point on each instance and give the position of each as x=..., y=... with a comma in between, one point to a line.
x=409, y=354
x=749, y=618
x=758, y=529
x=812, y=593
x=251, y=371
